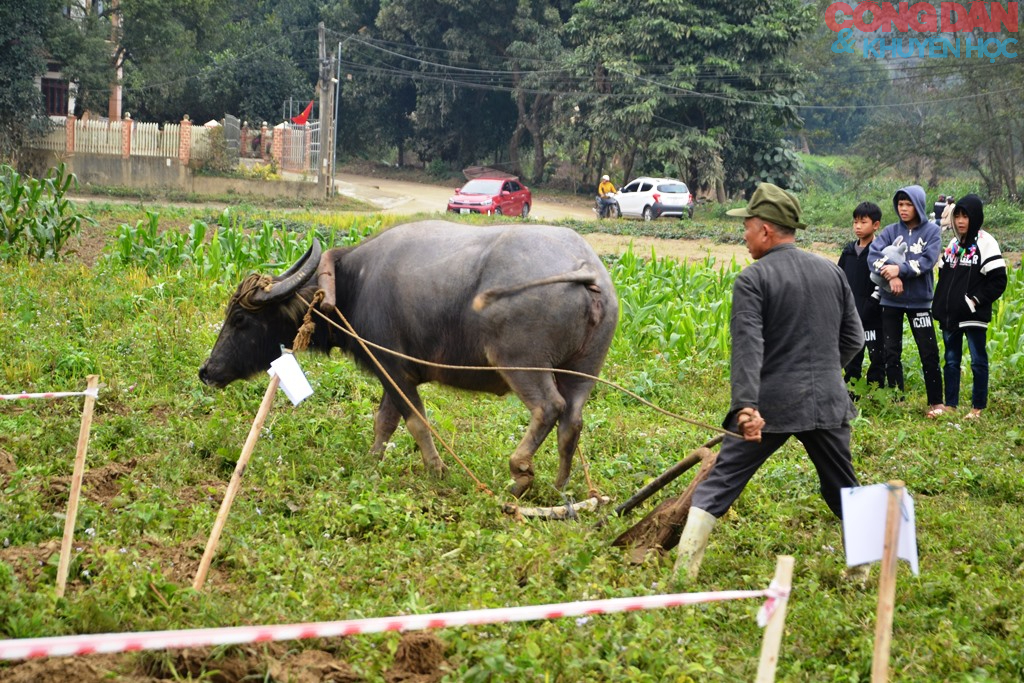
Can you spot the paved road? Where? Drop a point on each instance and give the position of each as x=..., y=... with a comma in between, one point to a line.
x=396, y=196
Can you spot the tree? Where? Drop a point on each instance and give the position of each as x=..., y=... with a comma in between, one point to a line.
x=84, y=43
x=669, y=81
x=952, y=114
x=974, y=122
x=462, y=114
x=842, y=91
x=211, y=57
x=26, y=27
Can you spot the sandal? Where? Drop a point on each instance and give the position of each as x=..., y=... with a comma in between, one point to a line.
x=975, y=414
x=937, y=411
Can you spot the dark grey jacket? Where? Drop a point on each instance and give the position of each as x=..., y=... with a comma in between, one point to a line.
x=794, y=327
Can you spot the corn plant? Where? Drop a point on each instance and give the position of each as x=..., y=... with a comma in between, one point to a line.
x=680, y=310
x=36, y=218
x=1006, y=332
x=226, y=252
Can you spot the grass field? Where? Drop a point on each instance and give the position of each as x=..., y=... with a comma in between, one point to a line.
x=322, y=531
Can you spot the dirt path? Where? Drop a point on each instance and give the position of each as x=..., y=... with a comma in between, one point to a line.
x=404, y=197
x=681, y=250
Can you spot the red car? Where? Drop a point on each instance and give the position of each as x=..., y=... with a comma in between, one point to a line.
x=492, y=196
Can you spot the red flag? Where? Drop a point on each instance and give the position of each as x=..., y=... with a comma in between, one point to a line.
x=301, y=118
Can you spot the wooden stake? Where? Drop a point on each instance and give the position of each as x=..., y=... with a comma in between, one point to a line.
x=777, y=622
x=887, y=585
x=236, y=482
x=76, y=485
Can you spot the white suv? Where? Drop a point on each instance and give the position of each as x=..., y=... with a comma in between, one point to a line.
x=651, y=198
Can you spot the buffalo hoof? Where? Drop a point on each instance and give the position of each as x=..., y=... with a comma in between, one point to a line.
x=436, y=466
x=521, y=485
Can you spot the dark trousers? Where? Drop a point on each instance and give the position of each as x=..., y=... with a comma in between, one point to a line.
x=738, y=460
x=876, y=359
x=954, y=342
x=923, y=329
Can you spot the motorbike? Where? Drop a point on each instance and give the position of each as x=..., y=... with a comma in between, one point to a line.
x=608, y=208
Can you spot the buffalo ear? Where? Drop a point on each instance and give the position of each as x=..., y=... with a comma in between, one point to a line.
x=293, y=278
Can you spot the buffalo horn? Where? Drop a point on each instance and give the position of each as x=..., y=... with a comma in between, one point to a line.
x=292, y=279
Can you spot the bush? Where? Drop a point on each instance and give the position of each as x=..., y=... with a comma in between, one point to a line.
x=268, y=171
x=438, y=170
x=220, y=161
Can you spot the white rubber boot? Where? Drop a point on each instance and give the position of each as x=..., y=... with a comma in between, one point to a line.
x=692, y=543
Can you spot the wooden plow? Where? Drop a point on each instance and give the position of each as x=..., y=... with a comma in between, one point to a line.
x=660, y=530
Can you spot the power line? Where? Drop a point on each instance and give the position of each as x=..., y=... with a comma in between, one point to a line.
x=476, y=77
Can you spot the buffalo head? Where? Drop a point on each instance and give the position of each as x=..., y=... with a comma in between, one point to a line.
x=263, y=315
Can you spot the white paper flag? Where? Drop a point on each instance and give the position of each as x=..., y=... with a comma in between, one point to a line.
x=864, y=510
x=293, y=381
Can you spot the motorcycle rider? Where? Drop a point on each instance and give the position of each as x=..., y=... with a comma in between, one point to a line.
x=604, y=196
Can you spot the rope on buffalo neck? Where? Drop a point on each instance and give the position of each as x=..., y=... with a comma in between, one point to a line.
x=364, y=343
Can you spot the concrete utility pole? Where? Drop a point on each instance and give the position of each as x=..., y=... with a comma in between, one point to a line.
x=332, y=111
x=326, y=122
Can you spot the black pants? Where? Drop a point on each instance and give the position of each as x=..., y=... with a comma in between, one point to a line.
x=738, y=460
x=876, y=359
x=923, y=329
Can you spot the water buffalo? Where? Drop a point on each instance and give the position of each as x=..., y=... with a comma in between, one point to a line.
x=495, y=296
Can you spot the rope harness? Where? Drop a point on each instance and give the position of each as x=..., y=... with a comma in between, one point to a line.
x=302, y=338
x=364, y=343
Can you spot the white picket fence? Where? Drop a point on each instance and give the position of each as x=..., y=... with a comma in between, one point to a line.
x=98, y=137
x=200, y=142
x=149, y=141
x=56, y=140
x=301, y=144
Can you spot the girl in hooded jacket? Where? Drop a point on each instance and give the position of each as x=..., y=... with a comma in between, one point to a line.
x=972, y=275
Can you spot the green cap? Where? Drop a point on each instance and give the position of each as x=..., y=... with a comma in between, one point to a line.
x=773, y=204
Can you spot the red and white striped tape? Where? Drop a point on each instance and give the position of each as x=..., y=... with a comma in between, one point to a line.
x=62, y=646
x=95, y=393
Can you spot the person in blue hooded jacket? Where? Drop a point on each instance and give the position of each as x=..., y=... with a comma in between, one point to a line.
x=908, y=291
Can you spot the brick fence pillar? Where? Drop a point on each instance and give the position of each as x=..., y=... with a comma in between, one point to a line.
x=277, y=148
x=185, y=141
x=264, y=149
x=69, y=134
x=126, y=136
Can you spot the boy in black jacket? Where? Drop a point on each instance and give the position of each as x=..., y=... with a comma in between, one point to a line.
x=972, y=275
x=867, y=219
